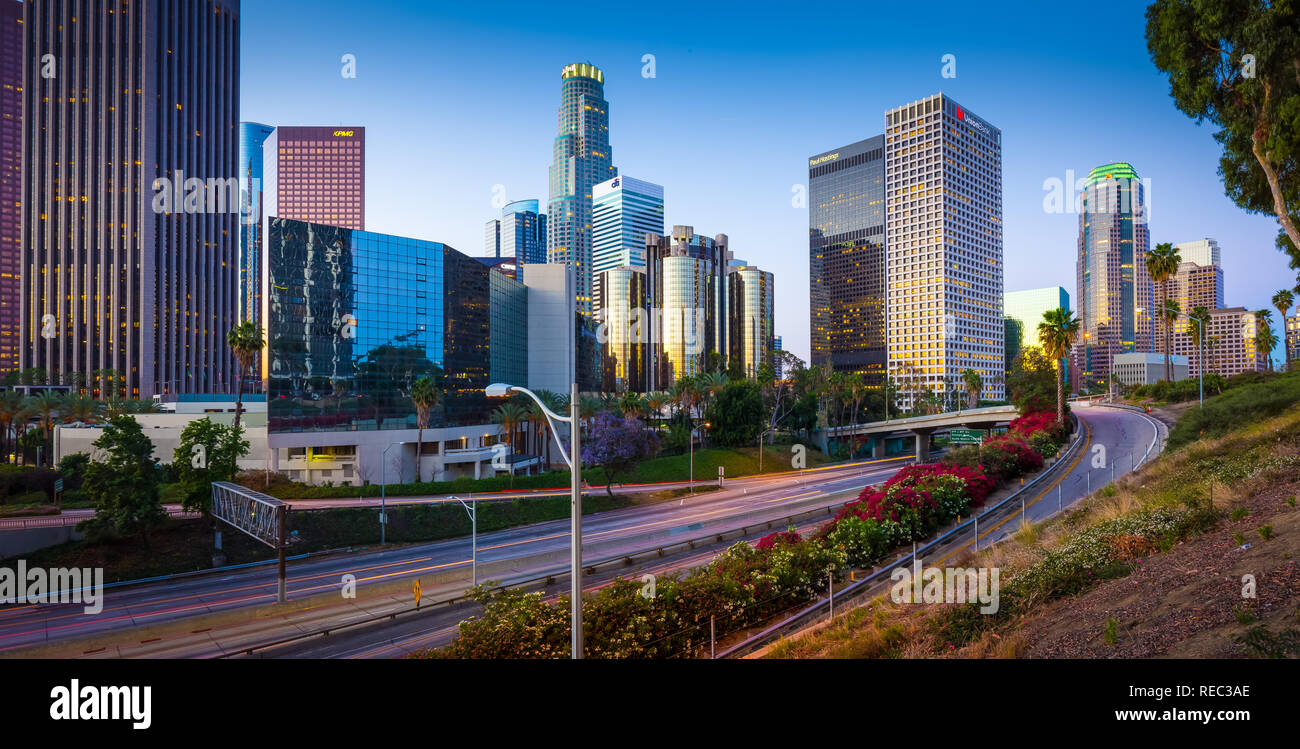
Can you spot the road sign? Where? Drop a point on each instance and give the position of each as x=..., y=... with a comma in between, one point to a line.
x=418, y=592
x=58, y=485
x=967, y=436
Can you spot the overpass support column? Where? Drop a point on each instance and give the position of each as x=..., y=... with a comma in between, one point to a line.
x=922, y=446
x=878, y=449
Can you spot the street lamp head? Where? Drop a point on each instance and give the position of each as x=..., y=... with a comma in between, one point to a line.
x=498, y=390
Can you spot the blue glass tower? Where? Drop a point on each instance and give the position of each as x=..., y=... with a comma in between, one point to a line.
x=252, y=135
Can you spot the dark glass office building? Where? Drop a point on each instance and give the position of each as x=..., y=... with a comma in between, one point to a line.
x=847, y=265
x=11, y=179
x=130, y=191
x=354, y=318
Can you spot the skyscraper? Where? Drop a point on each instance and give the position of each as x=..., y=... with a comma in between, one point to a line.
x=11, y=180
x=846, y=252
x=582, y=159
x=626, y=328
x=251, y=177
x=750, y=337
x=519, y=233
x=1195, y=286
x=686, y=279
x=1202, y=252
x=1113, y=283
x=131, y=192
x=943, y=219
x=624, y=210
x=318, y=174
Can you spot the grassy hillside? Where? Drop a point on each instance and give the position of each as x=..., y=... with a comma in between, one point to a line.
x=1156, y=565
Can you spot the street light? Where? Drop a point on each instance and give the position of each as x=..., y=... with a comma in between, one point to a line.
x=705, y=425
x=574, y=461
x=383, y=493
x=473, y=520
x=761, y=435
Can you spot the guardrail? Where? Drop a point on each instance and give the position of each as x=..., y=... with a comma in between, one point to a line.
x=861, y=588
x=549, y=578
x=55, y=521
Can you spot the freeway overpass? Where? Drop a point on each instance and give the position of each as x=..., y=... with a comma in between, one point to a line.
x=921, y=427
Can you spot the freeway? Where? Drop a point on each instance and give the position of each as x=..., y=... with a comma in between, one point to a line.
x=151, y=619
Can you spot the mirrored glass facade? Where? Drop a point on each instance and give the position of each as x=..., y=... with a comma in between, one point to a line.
x=355, y=318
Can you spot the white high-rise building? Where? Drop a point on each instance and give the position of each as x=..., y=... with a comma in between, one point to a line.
x=943, y=204
x=1202, y=251
x=624, y=209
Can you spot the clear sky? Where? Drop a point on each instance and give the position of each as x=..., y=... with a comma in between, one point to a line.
x=458, y=98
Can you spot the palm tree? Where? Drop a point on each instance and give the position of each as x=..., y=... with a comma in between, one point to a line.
x=80, y=408
x=425, y=395
x=631, y=405
x=510, y=416
x=246, y=342
x=1200, y=317
x=857, y=390
x=1264, y=322
x=46, y=407
x=1056, y=334
x=655, y=403
x=11, y=405
x=1283, y=301
x=1266, y=341
x=1168, y=313
x=1162, y=263
x=974, y=385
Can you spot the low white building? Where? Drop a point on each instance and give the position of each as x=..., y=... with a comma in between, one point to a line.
x=1146, y=368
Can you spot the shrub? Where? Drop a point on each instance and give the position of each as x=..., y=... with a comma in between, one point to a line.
x=863, y=540
x=772, y=540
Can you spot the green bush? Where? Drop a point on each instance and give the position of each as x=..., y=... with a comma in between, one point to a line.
x=1261, y=398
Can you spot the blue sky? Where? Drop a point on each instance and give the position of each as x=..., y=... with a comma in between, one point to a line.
x=457, y=98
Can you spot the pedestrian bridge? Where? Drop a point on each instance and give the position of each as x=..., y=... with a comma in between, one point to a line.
x=922, y=427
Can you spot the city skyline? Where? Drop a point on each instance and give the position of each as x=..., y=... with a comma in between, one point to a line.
x=752, y=195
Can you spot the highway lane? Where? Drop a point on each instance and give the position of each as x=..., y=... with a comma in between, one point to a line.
x=605, y=534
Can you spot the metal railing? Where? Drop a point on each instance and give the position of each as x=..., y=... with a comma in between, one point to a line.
x=865, y=587
x=55, y=521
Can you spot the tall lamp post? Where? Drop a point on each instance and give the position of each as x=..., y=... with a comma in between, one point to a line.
x=761, y=435
x=574, y=461
x=473, y=535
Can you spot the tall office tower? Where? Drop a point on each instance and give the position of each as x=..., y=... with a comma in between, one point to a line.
x=1195, y=286
x=624, y=210
x=492, y=238
x=131, y=192
x=626, y=328
x=582, y=159
x=1229, y=344
x=1292, y=343
x=943, y=219
x=750, y=304
x=686, y=277
x=1022, y=311
x=523, y=232
x=318, y=175
x=11, y=180
x=1202, y=252
x=846, y=255
x=1113, y=284
x=251, y=178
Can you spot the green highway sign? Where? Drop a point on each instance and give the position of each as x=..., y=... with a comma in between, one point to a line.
x=967, y=436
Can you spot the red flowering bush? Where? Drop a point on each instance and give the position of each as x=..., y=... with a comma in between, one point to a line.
x=1008, y=457
x=978, y=485
x=779, y=538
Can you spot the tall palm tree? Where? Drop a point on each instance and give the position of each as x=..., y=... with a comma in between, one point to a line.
x=510, y=416
x=1168, y=313
x=1162, y=263
x=655, y=403
x=426, y=395
x=1200, y=317
x=1266, y=341
x=1057, y=333
x=1264, y=322
x=46, y=407
x=857, y=391
x=974, y=385
x=246, y=342
x=1283, y=301
x=11, y=405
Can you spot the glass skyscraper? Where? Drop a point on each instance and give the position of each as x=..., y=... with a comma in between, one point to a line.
x=520, y=233
x=131, y=192
x=11, y=180
x=624, y=210
x=251, y=177
x=846, y=254
x=750, y=299
x=686, y=276
x=626, y=328
x=1112, y=278
x=582, y=159
x=355, y=318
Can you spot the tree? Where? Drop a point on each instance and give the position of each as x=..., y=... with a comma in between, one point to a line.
x=11, y=410
x=1168, y=313
x=207, y=452
x=616, y=445
x=80, y=408
x=1282, y=301
x=1200, y=317
x=246, y=342
x=425, y=394
x=974, y=385
x=1057, y=332
x=46, y=406
x=737, y=414
x=1237, y=64
x=1162, y=263
x=510, y=416
x=123, y=481
x=1265, y=339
